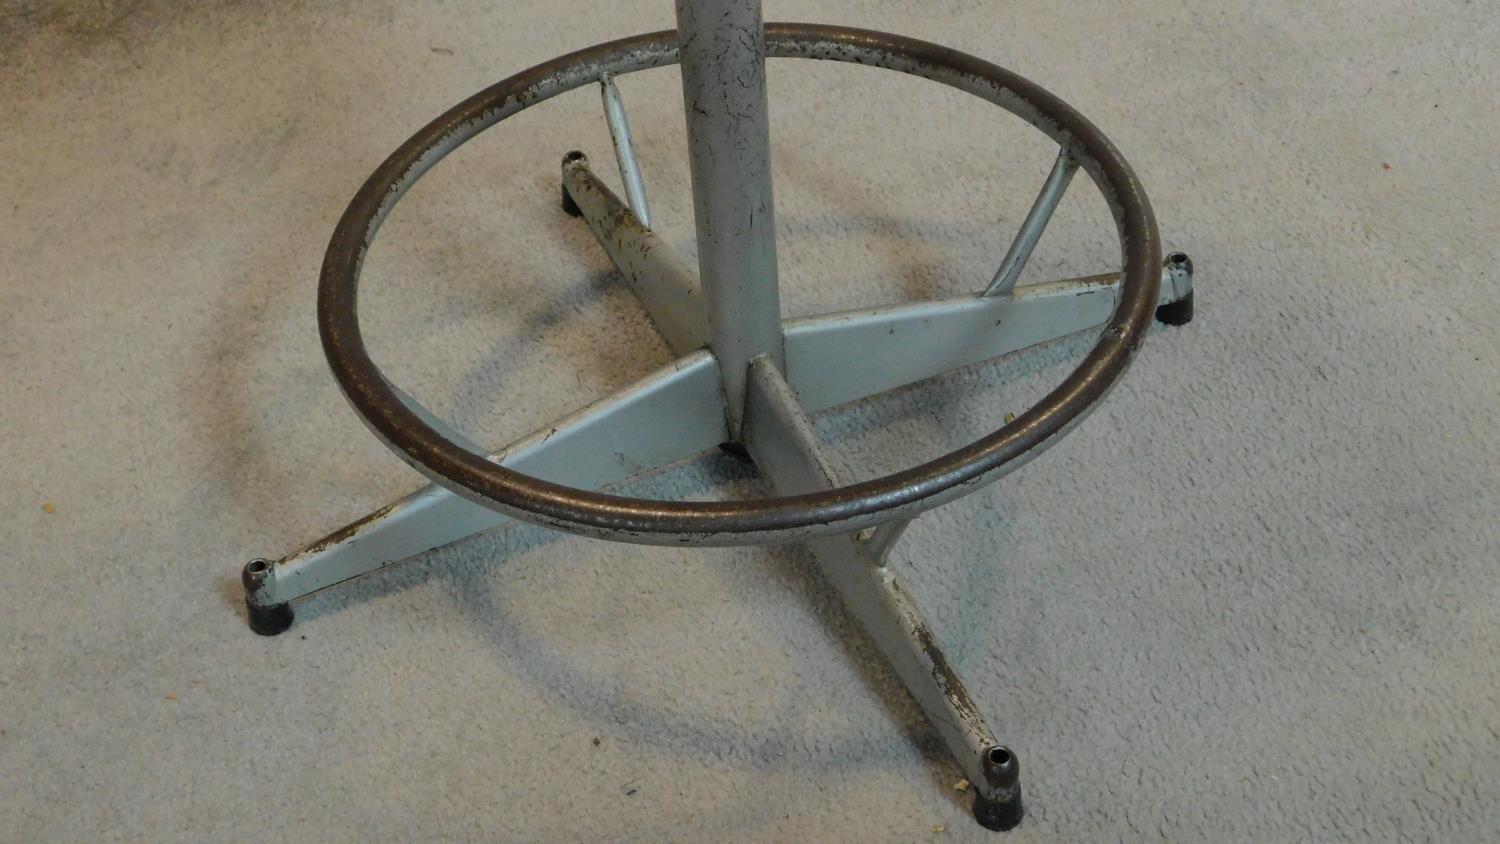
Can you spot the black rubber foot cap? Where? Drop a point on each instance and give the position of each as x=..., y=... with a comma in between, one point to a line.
x=269, y=621
x=1176, y=313
x=735, y=450
x=998, y=816
x=569, y=205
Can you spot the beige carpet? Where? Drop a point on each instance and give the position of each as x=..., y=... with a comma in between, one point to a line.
x=1255, y=597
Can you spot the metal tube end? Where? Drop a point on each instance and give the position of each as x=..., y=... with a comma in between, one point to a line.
x=571, y=161
x=1002, y=774
x=265, y=619
x=255, y=574
x=1179, y=262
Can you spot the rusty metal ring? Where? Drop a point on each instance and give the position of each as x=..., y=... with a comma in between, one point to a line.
x=768, y=520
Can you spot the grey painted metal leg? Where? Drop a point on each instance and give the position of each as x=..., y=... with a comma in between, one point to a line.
x=1033, y=226
x=663, y=282
x=668, y=416
x=837, y=358
x=781, y=439
x=724, y=91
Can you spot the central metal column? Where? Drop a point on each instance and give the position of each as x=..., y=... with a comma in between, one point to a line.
x=724, y=91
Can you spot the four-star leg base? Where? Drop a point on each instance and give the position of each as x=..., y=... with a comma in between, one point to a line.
x=678, y=413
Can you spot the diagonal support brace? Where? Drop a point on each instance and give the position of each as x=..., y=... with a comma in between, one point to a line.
x=619, y=133
x=1032, y=227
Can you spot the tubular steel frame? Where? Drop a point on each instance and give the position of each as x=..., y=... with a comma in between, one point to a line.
x=745, y=376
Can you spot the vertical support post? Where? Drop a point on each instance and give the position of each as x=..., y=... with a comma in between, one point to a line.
x=723, y=46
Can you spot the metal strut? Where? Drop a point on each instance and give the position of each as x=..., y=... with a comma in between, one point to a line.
x=619, y=133
x=1032, y=227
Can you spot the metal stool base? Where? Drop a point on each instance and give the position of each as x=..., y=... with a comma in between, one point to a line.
x=679, y=412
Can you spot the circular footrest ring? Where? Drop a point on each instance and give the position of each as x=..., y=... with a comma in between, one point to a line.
x=768, y=520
